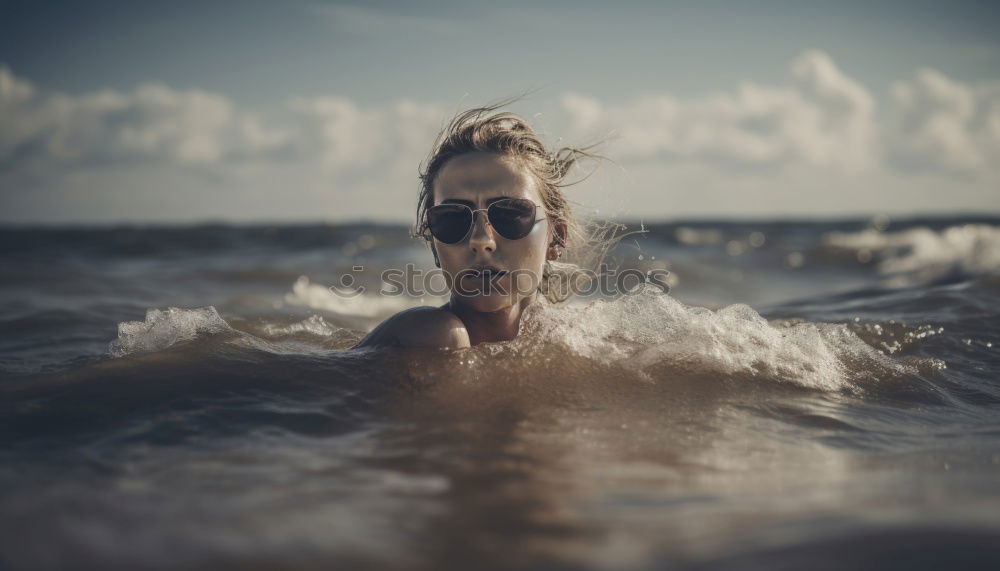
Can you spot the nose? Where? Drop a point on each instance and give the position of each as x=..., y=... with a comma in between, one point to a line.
x=481, y=237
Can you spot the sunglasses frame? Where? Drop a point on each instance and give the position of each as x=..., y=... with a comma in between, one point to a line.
x=486, y=214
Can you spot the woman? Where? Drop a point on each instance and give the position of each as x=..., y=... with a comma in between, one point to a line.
x=491, y=206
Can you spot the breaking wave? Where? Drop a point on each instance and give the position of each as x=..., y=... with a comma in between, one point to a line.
x=648, y=335
x=921, y=255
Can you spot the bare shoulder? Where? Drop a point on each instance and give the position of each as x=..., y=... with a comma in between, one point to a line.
x=419, y=327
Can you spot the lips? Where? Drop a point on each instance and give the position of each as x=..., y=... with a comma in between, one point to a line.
x=483, y=272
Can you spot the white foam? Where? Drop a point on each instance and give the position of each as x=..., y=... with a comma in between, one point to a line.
x=652, y=331
x=695, y=237
x=649, y=334
x=164, y=328
x=326, y=334
x=316, y=296
x=313, y=325
x=919, y=255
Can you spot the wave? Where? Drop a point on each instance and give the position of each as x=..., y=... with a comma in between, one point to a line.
x=657, y=336
x=316, y=296
x=922, y=255
x=649, y=335
x=164, y=328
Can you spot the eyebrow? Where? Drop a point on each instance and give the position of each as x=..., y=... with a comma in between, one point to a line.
x=471, y=204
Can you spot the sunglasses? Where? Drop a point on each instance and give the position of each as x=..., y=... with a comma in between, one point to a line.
x=512, y=218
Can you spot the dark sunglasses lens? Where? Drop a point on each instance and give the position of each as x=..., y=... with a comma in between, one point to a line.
x=512, y=218
x=449, y=223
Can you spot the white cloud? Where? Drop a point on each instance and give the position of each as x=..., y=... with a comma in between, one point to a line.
x=153, y=122
x=813, y=143
x=342, y=135
x=12, y=89
x=941, y=124
x=820, y=117
x=196, y=128
x=14, y=93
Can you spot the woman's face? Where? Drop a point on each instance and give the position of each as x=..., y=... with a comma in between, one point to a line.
x=477, y=180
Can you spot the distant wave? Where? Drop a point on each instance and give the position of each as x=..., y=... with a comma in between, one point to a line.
x=922, y=255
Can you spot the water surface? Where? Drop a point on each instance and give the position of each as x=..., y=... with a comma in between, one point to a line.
x=809, y=395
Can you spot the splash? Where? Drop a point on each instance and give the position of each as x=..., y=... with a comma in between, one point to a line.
x=314, y=330
x=654, y=335
x=316, y=296
x=313, y=325
x=649, y=335
x=164, y=328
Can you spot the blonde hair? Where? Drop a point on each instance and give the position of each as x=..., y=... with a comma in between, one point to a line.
x=486, y=129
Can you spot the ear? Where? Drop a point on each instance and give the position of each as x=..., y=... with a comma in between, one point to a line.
x=558, y=241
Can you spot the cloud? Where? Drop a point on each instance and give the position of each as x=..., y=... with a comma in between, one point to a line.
x=342, y=135
x=820, y=117
x=12, y=89
x=195, y=128
x=14, y=93
x=340, y=157
x=813, y=141
x=153, y=122
x=940, y=124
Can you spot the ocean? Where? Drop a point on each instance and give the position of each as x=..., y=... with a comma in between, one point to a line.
x=807, y=394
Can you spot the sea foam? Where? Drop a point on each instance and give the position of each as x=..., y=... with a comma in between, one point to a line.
x=163, y=328
x=649, y=334
x=363, y=305
x=654, y=335
x=921, y=255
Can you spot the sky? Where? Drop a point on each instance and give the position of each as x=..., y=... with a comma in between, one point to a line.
x=117, y=112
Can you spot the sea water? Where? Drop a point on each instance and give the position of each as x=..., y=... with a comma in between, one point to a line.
x=807, y=395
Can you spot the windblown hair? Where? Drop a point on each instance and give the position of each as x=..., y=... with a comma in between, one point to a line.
x=507, y=134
